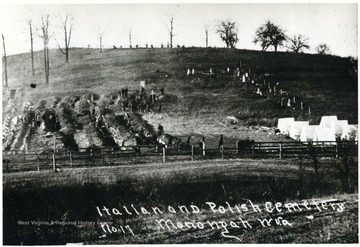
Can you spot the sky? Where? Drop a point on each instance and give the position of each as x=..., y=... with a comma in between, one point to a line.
x=334, y=24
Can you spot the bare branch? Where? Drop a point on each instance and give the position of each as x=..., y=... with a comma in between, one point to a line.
x=61, y=50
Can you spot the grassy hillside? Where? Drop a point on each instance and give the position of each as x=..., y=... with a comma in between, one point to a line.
x=199, y=103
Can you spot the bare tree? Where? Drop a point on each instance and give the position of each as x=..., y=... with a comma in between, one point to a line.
x=45, y=23
x=206, y=27
x=66, y=25
x=5, y=62
x=101, y=33
x=268, y=35
x=298, y=43
x=29, y=23
x=228, y=33
x=171, y=30
x=322, y=49
x=130, y=31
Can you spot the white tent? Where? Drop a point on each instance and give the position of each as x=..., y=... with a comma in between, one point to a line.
x=295, y=129
x=339, y=126
x=307, y=133
x=284, y=125
x=324, y=135
x=327, y=121
x=350, y=132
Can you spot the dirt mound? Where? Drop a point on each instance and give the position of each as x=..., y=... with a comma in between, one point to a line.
x=82, y=107
x=121, y=136
x=87, y=137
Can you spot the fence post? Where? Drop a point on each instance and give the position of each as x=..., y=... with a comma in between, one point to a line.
x=102, y=157
x=192, y=152
x=253, y=151
x=336, y=151
x=280, y=151
x=38, y=162
x=204, y=149
x=6, y=165
x=222, y=151
x=70, y=158
x=164, y=158
x=91, y=153
x=54, y=161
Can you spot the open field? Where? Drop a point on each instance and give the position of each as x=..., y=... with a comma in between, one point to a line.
x=73, y=195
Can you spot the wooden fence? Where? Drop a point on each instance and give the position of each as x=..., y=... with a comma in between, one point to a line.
x=30, y=160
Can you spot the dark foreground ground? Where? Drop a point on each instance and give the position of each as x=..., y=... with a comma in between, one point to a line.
x=59, y=208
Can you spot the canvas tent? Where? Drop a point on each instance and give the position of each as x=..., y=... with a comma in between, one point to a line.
x=339, y=127
x=350, y=132
x=327, y=121
x=284, y=125
x=295, y=129
x=307, y=133
x=324, y=135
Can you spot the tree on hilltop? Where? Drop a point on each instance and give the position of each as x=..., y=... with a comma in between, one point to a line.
x=101, y=33
x=66, y=25
x=228, y=33
x=268, y=35
x=322, y=49
x=171, y=30
x=206, y=28
x=5, y=63
x=44, y=28
x=29, y=23
x=298, y=43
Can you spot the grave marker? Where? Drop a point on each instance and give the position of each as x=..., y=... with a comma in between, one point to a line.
x=152, y=96
x=142, y=85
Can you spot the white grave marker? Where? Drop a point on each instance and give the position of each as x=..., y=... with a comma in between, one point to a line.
x=142, y=84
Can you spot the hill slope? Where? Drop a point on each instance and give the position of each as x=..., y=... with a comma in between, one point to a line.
x=199, y=103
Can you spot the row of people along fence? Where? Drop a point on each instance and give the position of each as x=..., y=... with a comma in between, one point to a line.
x=56, y=159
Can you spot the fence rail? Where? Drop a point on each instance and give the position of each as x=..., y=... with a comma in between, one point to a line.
x=29, y=160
